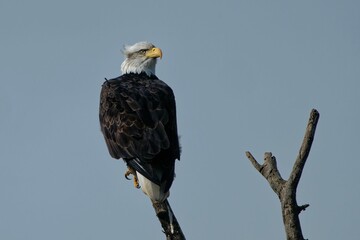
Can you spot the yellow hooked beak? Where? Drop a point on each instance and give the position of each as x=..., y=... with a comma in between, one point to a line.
x=154, y=53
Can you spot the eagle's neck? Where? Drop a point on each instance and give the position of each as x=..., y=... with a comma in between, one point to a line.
x=139, y=66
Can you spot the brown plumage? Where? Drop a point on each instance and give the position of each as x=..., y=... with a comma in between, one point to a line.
x=138, y=121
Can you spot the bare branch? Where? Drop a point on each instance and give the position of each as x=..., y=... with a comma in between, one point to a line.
x=304, y=149
x=303, y=207
x=269, y=171
x=168, y=221
x=286, y=190
x=255, y=163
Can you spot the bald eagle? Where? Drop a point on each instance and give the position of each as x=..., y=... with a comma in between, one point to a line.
x=138, y=120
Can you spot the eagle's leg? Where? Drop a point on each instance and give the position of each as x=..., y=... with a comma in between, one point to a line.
x=129, y=172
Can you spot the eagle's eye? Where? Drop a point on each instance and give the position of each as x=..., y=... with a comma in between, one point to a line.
x=142, y=51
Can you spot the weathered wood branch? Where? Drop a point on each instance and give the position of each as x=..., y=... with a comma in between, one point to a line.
x=304, y=149
x=168, y=221
x=286, y=189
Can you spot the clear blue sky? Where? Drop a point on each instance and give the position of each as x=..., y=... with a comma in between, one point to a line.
x=246, y=75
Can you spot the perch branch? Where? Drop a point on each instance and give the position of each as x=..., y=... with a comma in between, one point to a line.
x=168, y=221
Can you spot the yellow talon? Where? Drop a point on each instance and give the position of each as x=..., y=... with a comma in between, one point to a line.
x=129, y=172
x=136, y=182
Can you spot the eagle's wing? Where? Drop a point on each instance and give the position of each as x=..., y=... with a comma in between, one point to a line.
x=138, y=120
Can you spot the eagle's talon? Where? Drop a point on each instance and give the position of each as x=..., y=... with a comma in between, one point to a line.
x=129, y=172
x=136, y=183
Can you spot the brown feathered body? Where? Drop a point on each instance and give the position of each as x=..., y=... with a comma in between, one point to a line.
x=138, y=121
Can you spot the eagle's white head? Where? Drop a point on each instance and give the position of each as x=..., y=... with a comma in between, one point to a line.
x=140, y=57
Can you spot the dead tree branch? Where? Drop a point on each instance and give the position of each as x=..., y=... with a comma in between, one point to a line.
x=168, y=221
x=286, y=189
